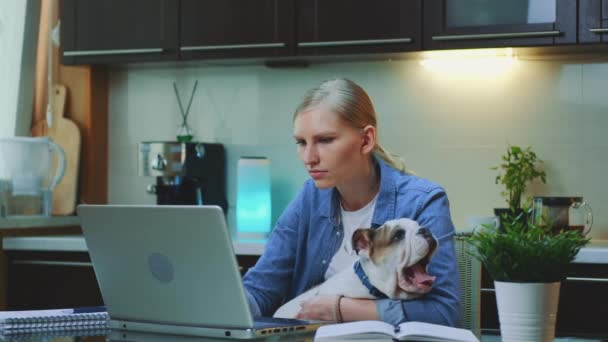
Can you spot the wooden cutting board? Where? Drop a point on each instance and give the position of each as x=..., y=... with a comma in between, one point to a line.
x=66, y=134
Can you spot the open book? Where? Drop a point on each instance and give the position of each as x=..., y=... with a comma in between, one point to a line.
x=381, y=331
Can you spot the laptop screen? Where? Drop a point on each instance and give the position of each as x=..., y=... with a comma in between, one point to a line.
x=166, y=264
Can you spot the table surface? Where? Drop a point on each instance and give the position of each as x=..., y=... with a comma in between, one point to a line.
x=110, y=335
x=106, y=334
x=144, y=337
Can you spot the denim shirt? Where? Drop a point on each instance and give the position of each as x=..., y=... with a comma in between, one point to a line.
x=309, y=233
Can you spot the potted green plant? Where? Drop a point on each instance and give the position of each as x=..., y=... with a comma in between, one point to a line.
x=518, y=168
x=527, y=262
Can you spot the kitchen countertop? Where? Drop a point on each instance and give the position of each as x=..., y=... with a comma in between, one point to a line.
x=76, y=243
x=39, y=222
x=594, y=253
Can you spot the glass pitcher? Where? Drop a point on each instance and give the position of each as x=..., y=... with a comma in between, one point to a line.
x=26, y=178
x=563, y=213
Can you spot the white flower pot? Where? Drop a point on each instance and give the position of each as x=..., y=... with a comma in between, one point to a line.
x=527, y=311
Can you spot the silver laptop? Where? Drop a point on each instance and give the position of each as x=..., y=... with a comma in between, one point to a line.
x=172, y=269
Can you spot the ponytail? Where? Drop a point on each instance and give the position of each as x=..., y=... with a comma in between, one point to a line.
x=393, y=160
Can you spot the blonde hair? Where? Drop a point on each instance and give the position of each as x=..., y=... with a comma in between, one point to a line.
x=348, y=100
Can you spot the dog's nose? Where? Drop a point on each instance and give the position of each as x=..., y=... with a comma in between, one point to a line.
x=425, y=232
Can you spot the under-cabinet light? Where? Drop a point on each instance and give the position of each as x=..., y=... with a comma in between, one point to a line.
x=472, y=62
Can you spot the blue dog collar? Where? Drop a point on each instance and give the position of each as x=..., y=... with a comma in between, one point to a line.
x=365, y=280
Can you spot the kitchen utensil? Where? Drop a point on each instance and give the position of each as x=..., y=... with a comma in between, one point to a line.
x=29, y=186
x=482, y=222
x=66, y=134
x=563, y=213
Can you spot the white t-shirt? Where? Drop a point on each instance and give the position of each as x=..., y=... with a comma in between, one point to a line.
x=351, y=221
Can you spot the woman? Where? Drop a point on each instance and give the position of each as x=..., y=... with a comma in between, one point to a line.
x=354, y=183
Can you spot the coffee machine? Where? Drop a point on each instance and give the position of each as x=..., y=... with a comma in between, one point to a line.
x=191, y=173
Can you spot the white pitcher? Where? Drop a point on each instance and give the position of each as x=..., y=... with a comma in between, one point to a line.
x=26, y=178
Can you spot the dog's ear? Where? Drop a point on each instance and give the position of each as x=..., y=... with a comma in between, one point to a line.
x=363, y=239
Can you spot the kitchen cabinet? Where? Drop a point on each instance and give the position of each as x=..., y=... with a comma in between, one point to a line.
x=455, y=24
x=11, y=228
x=582, y=310
x=593, y=21
x=236, y=28
x=112, y=31
x=54, y=279
x=42, y=272
x=50, y=280
x=362, y=26
x=119, y=31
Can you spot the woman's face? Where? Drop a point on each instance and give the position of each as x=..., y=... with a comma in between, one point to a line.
x=331, y=150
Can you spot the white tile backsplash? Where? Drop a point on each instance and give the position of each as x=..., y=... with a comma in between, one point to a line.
x=449, y=128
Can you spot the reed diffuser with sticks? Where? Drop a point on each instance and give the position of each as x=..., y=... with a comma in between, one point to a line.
x=184, y=132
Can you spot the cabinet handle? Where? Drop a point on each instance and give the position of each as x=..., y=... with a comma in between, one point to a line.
x=109, y=52
x=499, y=35
x=232, y=47
x=572, y=279
x=589, y=280
x=355, y=42
x=53, y=263
x=599, y=30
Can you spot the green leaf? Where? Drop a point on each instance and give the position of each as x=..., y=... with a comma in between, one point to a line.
x=523, y=251
x=518, y=169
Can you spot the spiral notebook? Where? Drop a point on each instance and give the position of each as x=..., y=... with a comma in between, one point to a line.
x=20, y=322
x=48, y=335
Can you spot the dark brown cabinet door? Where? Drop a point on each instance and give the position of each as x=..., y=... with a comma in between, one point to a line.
x=107, y=31
x=358, y=26
x=453, y=24
x=236, y=28
x=50, y=280
x=593, y=21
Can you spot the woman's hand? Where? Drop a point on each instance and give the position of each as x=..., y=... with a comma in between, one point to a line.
x=318, y=308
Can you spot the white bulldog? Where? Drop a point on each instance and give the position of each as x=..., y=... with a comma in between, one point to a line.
x=392, y=263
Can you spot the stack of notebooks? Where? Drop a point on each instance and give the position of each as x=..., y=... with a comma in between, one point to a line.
x=91, y=320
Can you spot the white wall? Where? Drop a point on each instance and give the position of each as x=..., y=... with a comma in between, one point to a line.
x=448, y=127
x=18, y=35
